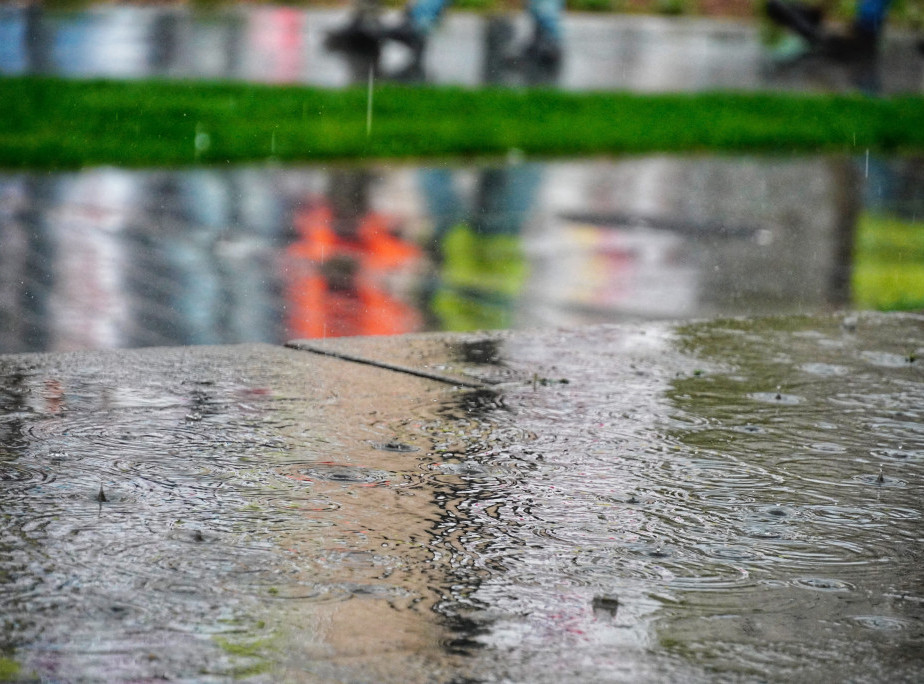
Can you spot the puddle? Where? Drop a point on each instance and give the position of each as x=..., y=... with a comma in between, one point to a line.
x=116, y=258
x=616, y=527
x=288, y=45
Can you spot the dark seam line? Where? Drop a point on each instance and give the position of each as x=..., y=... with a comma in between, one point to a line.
x=386, y=366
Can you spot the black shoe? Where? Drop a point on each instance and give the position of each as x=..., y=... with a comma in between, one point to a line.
x=857, y=46
x=360, y=36
x=543, y=50
x=796, y=16
x=498, y=36
x=407, y=34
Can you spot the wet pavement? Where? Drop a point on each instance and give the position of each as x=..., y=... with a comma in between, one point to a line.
x=286, y=45
x=106, y=257
x=663, y=501
x=734, y=500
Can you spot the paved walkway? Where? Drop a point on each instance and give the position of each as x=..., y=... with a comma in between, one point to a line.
x=598, y=504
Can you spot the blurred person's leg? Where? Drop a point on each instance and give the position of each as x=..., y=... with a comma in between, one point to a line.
x=361, y=32
x=803, y=18
x=547, y=39
x=862, y=41
x=423, y=15
x=420, y=18
x=871, y=15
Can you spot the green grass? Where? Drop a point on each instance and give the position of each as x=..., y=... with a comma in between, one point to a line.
x=888, y=272
x=9, y=669
x=48, y=123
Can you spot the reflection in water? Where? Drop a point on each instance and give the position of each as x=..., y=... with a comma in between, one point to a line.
x=733, y=499
x=117, y=258
x=801, y=543
x=282, y=44
x=746, y=509
x=478, y=249
x=341, y=261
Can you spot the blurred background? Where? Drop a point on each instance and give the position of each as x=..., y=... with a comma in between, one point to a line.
x=114, y=257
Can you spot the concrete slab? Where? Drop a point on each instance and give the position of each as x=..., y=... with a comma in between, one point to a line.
x=661, y=502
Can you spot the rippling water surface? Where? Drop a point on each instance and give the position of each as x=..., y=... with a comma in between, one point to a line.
x=736, y=499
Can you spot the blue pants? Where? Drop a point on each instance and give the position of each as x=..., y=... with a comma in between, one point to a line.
x=425, y=13
x=871, y=15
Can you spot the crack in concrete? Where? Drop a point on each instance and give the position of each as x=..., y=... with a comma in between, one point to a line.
x=300, y=345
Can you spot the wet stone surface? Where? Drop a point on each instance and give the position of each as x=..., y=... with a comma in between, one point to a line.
x=737, y=499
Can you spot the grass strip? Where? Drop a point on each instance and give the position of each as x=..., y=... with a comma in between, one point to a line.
x=48, y=123
x=888, y=269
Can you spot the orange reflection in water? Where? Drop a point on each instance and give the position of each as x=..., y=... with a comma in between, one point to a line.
x=337, y=276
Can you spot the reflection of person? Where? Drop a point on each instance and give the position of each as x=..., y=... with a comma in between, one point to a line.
x=860, y=42
x=339, y=262
x=478, y=250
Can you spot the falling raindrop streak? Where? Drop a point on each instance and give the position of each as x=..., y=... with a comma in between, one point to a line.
x=369, y=103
